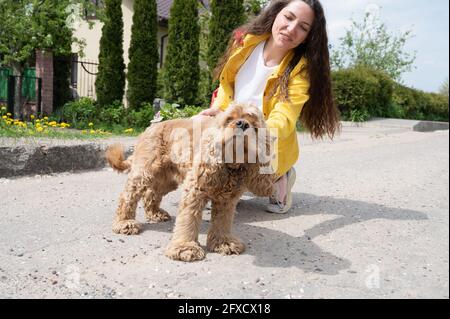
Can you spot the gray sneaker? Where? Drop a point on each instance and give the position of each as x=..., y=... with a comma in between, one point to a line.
x=275, y=205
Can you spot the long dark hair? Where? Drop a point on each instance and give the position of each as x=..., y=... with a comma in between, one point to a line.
x=319, y=115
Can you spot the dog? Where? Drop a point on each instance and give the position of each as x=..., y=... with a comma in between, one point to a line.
x=173, y=153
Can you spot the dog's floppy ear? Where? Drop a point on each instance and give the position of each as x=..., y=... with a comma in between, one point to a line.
x=254, y=111
x=222, y=117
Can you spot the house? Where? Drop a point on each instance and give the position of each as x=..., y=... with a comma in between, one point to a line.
x=84, y=68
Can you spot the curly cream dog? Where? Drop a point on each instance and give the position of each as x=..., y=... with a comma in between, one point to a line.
x=169, y=154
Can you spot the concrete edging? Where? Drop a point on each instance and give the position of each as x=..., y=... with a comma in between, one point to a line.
x=413, y=125
x=49, y=157
x=21, y=157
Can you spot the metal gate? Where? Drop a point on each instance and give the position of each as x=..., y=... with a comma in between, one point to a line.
x=83, y=76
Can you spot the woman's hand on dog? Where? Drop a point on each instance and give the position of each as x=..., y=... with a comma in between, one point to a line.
x=213, y=111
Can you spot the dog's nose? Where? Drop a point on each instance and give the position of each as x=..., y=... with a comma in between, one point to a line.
x=242, y=124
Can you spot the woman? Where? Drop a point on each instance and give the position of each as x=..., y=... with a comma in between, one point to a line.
x=281, y=64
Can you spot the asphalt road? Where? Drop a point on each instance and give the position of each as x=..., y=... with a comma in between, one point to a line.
x=370, y=220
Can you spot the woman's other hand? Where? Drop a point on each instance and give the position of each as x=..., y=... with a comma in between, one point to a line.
x=213, y=111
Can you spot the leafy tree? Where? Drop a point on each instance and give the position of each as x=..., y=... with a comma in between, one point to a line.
x=182, y=70
x=28, y=25
x=143, y=53
x=110, y=81
x=368, y=43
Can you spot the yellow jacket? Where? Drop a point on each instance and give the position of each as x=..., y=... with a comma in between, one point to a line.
x=279, y=115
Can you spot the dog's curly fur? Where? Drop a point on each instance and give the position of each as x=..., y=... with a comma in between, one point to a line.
x=153, y=173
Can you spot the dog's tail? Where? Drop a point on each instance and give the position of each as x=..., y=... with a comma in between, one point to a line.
x=116, y=158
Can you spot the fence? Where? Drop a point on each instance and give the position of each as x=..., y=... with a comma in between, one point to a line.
x=83, y=75
x=30, y=95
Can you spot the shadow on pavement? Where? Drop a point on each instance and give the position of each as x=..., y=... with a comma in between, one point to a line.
x=275, y=248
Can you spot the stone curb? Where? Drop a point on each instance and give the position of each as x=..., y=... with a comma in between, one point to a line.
x=49, y=157
x=413, y=125
x=21, y=157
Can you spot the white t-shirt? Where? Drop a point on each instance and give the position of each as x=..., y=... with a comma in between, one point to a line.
x=252, y=77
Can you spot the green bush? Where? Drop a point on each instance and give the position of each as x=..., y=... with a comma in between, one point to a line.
x=419, y=105
x=395, y=111
x=359, y=115
x=80, y=113
x=111, y=117
x=362, y=92
x=112, y=114
x=175, y=111
x=437, y=107
x=140, y=118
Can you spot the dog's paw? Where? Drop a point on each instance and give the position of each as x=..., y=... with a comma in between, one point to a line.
x=126, y=227
x=225, y=245
x=159, y=216
x=190, y=251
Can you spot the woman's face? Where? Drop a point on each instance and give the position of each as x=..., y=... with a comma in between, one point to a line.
x=292, y=25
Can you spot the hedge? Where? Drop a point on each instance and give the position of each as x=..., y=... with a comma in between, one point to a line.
x=361, y=93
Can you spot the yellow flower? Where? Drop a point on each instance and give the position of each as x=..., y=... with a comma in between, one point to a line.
x=91, y=124
x=92, y=132
x=39, y=129
x=46, y=118
x=9, y=114
x=32, y=117
x=129, y=130
x=3, y=108
x=4, y=117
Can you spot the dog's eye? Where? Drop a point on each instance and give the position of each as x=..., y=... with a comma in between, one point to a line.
x=228, y=121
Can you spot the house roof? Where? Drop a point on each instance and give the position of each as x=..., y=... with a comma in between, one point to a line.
x=165, y=5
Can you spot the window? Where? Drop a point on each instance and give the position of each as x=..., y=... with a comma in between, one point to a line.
x=91, y=13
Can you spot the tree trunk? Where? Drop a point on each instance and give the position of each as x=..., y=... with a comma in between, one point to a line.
x=18, y=72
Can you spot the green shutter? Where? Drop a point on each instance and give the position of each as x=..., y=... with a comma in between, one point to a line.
x=29, y=84
x=4, y=73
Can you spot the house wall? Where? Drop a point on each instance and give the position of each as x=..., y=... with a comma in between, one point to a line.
x=92, y=48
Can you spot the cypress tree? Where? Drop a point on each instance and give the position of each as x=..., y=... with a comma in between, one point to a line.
x=110, y=82
x=143, y=53
x=182, y=70
x=226, y=16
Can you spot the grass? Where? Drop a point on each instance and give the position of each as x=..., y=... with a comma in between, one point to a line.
x=46, y=128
